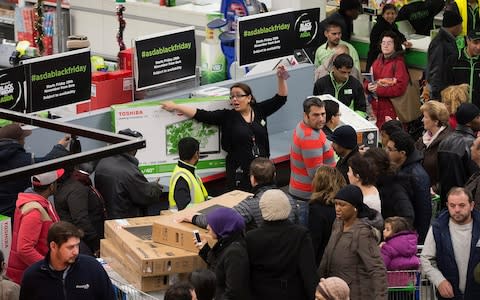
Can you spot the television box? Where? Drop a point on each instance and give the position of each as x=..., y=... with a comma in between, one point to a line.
x=367, y=132
x=145, y=257
x=115, y=259
x=5, y=236
x=167, y=230
x=163, y=130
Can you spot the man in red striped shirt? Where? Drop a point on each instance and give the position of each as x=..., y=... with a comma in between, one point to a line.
x=309, y=150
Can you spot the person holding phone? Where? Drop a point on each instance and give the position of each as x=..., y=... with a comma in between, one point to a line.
x=228, y=258
x=244, y=128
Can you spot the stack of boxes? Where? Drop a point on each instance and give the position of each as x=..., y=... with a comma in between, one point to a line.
x=152, y=252
x=26, y=32
x=109, y=88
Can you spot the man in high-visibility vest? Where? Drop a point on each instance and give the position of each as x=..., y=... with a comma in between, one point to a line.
x=185, y=186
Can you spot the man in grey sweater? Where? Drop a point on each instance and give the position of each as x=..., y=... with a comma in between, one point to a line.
x=451, y=249
x=262, y=178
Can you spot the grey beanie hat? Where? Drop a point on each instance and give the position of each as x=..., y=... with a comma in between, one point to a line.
x=274, y=205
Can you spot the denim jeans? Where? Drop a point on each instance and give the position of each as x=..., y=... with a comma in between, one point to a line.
x=302, y=212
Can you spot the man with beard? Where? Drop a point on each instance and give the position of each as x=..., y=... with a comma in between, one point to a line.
x=64, y=273
x=451, y=251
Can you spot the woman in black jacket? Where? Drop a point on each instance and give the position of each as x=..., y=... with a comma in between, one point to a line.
x=244, y=131
x=282, y=263
x=228, y=258
x=394, y=189
x=385, y=22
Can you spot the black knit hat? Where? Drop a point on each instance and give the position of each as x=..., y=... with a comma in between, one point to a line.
x=466, y=112
x=350, y=5
x=353, y=195
x=451, y=19
x=345, y=136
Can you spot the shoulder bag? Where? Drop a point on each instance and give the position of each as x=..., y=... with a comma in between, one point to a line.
x=407, y=106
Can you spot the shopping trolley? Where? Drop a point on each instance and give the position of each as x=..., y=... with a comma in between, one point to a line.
x=125, y=291
x=404, y=285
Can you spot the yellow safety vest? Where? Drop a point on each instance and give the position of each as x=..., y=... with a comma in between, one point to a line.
x=462, y=8
x=198, y=193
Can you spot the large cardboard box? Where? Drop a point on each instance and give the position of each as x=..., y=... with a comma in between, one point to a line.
x=167, y=230
x=5, y=236
x=114, y=257
x=142, y=255
x=163, y=130
x=367, y=132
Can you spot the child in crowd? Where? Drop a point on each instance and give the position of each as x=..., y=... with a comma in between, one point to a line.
x=399, y=251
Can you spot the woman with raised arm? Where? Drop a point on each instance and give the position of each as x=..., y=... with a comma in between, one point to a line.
x=243, y=128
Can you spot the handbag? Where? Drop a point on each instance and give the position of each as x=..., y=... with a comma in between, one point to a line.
x=407, y=106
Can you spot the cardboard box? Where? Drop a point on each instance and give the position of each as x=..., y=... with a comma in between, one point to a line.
x=145, y=257
x=5, y=236
x=163, y=130
x=114, y=257
x=367, y=132
x=168, y=231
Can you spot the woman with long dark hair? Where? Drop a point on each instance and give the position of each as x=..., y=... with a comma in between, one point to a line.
x=243, y=128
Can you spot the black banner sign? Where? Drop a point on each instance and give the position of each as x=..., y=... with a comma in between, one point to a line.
x=58, y=80
x=274, y=35
x=165, y=58
x=12, y=93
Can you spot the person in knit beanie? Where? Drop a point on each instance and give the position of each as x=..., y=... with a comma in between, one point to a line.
x=228, y=258
x=282, y=262
x=332, y=288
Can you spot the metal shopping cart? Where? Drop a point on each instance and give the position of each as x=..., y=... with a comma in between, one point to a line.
x=125, y=291
x=404, y=285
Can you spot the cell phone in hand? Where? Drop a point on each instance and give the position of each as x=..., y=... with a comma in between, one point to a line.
x=196, y=234
x=283, y=73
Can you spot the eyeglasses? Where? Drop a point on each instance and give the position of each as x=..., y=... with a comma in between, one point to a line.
x=237, y=96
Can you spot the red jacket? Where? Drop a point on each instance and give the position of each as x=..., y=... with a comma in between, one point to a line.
x=392, y=67
x=30, y=228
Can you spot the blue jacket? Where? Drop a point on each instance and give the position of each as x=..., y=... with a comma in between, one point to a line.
x=446, y=259
x=13, y=155
x=421, y=199
x=86, y=279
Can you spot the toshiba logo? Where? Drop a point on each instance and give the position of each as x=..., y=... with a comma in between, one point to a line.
x=130, y=113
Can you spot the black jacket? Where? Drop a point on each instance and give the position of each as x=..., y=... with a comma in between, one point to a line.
x=455, y=165
x=229, y=260
x=395, y=194
x=237, y=136
x=126, y=191
x=350, y=93
x=320, y=222
x=86, y=279
x=374, y=49
x=420, y=14
x=440, y=49
x=421, y=200
x=80, y=205
x=282, y=262
x=13, y=155
x=342, y=163
x=464, y=69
